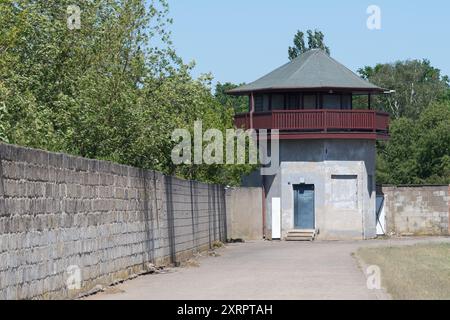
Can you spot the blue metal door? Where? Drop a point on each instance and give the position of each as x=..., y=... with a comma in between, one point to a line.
x=304, y=206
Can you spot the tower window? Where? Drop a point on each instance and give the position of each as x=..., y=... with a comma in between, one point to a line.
x=331, y=101
x=262, y=102
x=293, y=101
x=309, y=101
x=277, y=101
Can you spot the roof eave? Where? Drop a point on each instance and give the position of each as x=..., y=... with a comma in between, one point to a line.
x=360, y=90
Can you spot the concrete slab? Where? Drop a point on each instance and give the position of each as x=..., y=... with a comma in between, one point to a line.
x=264, y=270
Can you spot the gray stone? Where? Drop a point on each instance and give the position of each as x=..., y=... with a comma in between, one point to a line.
x=57, y=214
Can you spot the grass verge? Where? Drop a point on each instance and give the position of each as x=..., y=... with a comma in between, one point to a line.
x=412, y=272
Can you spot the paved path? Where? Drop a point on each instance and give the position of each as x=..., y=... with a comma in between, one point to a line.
x=263, y=270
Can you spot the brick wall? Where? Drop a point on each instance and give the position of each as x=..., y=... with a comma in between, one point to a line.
x=417, y=210
x=108, y=220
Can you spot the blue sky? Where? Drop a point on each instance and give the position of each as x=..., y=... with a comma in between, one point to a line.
x=241, y=40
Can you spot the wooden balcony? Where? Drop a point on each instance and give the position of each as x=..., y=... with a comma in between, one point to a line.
x=319, y=124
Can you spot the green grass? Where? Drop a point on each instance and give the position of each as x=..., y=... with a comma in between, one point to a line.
x=412, y=272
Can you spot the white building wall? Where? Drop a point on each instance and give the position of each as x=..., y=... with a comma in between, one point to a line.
x=339, y=170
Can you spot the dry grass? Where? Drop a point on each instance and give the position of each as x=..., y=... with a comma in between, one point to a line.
x=217, y=244
x=412, y=272
x=190, y=263
x=113, y=290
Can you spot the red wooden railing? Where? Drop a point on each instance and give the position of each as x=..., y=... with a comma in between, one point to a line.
x=318, y=120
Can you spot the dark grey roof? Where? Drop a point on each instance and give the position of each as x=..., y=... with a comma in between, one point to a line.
x=313, y=69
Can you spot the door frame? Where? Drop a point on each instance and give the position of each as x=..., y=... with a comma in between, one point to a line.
x=295, y=203
x=380, y=214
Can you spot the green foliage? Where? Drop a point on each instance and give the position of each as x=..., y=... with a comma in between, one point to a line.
x=315, y=41
x=445, y=97
x=419, y=150
x=113, y=89
x=239, y=104
x=416, y=84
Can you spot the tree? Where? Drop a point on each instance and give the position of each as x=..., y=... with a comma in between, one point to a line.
x=445, y=97
x=416, y=84
x=238, y=103
x=396, y=160
x=315, y=41
x=433, y=146
x=419, y=150
x=102, y=91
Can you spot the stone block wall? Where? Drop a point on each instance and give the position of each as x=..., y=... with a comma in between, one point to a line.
x=417, y=210
x=62, y=216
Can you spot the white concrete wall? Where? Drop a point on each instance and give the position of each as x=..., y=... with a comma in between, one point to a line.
x=244, y=213
x=315, y=162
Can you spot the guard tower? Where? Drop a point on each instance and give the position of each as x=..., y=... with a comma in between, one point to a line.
x=325, y=186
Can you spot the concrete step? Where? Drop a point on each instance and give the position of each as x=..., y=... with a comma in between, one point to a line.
x=301, y=231
x=301, y=235
x=299, y=239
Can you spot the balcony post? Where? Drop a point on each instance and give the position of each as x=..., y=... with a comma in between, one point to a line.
x=374, y=121
x=252, y=109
